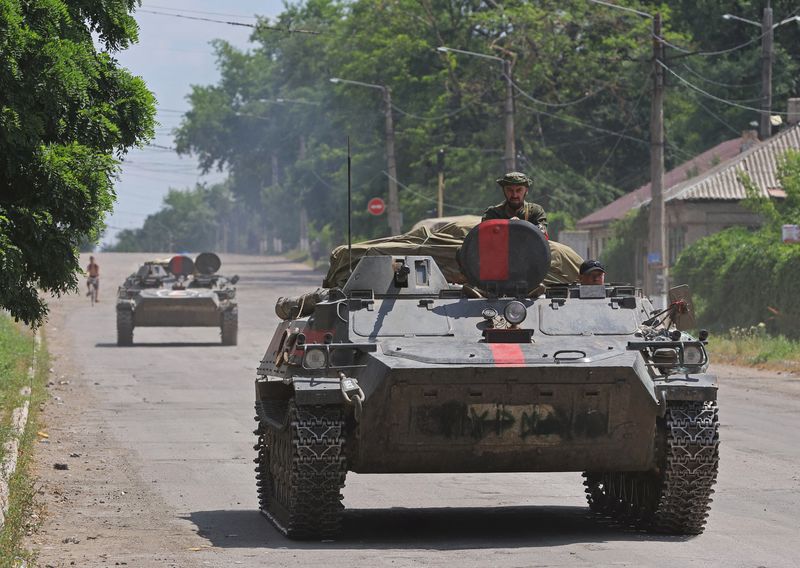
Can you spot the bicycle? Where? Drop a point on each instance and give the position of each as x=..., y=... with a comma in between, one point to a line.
x=93, y=284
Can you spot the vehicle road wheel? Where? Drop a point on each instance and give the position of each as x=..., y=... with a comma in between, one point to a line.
x=124, y=327
x=230, y=327
x=301, y=470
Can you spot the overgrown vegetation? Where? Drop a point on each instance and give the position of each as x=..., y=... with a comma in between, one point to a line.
x=16, y=349
x=67, y=112
x=752, y=346
x=622, y=254
x=740, y=277
x=582, y=75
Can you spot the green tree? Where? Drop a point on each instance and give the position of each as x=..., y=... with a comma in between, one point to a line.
x=66, y=110
x=191, y=220
x=741, y=277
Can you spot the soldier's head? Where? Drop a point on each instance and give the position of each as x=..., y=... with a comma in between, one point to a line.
x=515, y=187
x=592, y=272
x=91, y=259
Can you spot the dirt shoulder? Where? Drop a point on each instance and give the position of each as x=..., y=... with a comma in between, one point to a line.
x=93, y=507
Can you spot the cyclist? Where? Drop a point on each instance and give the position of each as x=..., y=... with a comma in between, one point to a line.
x=93, y=270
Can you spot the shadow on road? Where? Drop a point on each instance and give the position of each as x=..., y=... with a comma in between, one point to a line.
x=165, y=344
x=436, y=528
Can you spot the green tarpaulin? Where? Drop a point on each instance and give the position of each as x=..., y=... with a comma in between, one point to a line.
x=442, y=245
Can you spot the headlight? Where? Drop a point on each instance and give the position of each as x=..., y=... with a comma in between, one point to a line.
x=489, y=313
x=515, y=312
x=315, y=359
x=692, y=355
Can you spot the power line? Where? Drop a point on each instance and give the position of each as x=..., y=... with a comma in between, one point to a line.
x=714, y=97
x=689, y=52
x=425, y=197
x=229, y=23
x=554, y=105
x=446, y=115
x=202, y=12
x=719, y=84
x=624, y=130
x=623, y=8
x=160, y=147
x=575, y=122
x=719, y=119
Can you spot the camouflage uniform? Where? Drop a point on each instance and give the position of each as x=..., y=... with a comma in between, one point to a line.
x=531, y=212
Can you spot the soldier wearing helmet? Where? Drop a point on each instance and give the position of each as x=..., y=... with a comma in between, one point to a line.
x=515, y=187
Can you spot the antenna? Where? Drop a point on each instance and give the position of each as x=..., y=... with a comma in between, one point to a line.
x=349, y=212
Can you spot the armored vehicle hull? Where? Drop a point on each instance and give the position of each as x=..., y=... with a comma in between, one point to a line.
x=403, y=373
x=153, y=297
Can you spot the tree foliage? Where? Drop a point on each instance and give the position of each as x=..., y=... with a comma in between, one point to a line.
x=740, y=277
x=189, y=221
x=66, y=110
x=582, y=76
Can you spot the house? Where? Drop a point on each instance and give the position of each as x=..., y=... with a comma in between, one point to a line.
x=598, y=224
x=703, y=204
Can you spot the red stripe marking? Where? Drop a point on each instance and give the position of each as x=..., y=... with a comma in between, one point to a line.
x=493, y=250
x=177, y=268
x=507, y=354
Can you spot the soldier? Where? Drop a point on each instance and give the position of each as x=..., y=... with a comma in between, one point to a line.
x=515, y=187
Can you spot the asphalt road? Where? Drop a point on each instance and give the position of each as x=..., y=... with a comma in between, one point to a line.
x=157, y=441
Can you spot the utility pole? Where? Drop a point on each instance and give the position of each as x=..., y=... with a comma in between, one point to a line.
x=440, y=167
x=767, y=32
x=393, y=207
x=511, y=152
x=767, y=56
x=657, y=262
x=303, y=221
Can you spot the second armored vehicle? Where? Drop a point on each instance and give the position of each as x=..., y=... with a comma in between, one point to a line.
x=401, y=372
x=178, y=293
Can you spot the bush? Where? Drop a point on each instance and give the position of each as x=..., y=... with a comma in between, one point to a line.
x=741, y=277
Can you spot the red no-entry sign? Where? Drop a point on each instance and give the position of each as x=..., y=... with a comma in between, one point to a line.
x=376, y=206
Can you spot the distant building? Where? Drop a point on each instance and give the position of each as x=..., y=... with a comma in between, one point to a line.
x=702, y=196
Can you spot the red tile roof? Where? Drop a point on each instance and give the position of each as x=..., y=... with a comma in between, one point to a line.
x=704, y=162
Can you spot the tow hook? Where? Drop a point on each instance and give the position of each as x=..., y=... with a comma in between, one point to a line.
x=352, y=393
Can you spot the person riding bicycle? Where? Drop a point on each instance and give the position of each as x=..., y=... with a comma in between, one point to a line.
x=93, y=270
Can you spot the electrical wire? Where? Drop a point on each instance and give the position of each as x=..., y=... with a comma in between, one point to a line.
x=575, y=122
x=521, y=91
x=425, y=197
x=714, y=97
x=719, y=119
x=707, y=53
x=160, y=147
x=625, y=129
x=623, y=8
x=442, y=116
x=241, y=24
x=719, y=84
x=201, y=12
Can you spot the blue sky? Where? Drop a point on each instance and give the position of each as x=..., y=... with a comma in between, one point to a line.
x=173, y=54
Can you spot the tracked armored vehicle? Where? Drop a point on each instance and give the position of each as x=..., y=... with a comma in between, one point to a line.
x=178, y=293
x=401, y=372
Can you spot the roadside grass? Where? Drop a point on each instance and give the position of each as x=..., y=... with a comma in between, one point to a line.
x=756, y=350
x=16, y=348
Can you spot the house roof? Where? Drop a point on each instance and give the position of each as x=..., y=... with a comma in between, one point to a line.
x=759, y=162
x=699, y=164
